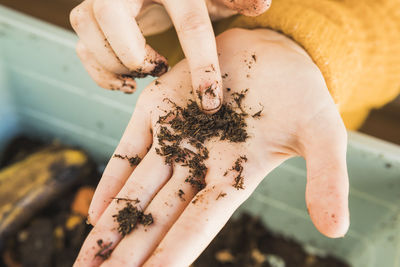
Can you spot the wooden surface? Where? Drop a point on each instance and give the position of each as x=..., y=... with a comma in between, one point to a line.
x=383, y=123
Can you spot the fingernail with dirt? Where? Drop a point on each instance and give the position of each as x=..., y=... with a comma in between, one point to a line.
x=160, y=68
x=210, y=97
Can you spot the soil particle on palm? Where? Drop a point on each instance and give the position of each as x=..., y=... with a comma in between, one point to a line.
x=258, y=113
x=238, y=98
x=133, y=161
x=189, y=124
x=238, y=168
x=104, y=251
x=222, y=194
x=180, y=194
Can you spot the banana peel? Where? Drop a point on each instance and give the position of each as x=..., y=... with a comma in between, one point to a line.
x=30, y=184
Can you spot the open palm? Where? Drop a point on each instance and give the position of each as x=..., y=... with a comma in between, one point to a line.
x=298, y=117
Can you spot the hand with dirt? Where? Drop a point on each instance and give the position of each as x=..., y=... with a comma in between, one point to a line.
x=277, y=106
x=114, y=51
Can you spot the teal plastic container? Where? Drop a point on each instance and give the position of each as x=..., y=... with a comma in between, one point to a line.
x=46, y=93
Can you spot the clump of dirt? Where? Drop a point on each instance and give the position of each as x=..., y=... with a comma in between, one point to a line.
x=238, y=98
x=180, y=194
x=133, y=161
x=238, y=167
x=190, y=122
x=129, y=217
x=192, y=125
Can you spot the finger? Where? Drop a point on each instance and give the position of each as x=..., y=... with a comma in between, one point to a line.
x=85, y=25
x=196, y=36
x=135, y=142
x=197, y=226
x=146, y=180
x=116, y=20
x=165, y=208
x=327, y=179
x=102, y=76
x=248, y=8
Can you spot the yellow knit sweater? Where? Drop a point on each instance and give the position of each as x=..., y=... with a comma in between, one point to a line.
x=355, y=43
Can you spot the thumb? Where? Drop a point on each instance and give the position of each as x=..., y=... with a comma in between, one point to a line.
x=327, y=186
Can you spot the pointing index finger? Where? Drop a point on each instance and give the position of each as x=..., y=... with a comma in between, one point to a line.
x=196, y=36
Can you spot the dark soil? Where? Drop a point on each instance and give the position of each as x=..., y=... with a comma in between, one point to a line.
x=129, y=217
x=246, y=242
x=133, y=161
x=104, y=249
x=238, y=168
x=192, y=125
